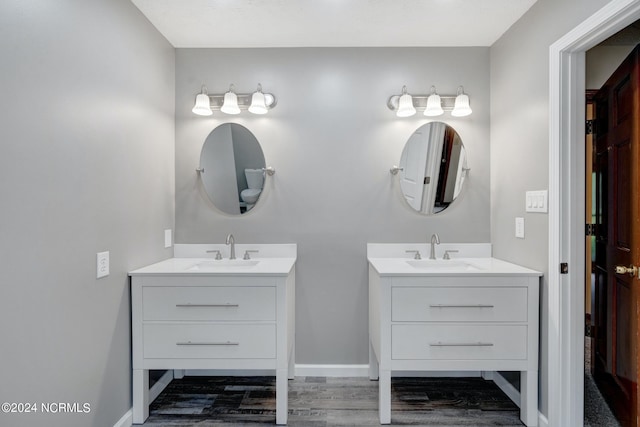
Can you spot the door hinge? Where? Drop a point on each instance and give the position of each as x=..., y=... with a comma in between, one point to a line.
x=427, y=180
x=564, y=268
x=590, y=230
x=590, y=127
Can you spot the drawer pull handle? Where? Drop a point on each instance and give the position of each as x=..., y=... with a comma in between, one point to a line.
x=461, y=306
x=208, y=343
x=462, y=344
x=207, y=305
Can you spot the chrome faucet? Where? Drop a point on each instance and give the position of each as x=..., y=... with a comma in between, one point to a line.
x=231, y=241
x=435, y=240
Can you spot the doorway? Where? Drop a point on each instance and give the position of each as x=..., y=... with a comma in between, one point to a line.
x=611, y=152
x=566, y=212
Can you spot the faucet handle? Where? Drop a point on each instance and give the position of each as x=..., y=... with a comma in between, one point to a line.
x=447, y=252
x=246, y=253
x=417, y=255
x=218, y=254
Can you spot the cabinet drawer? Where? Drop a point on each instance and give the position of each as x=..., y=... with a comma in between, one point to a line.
x=209, y=303
x=460, y=304
x=458, y=342
x=209, y=341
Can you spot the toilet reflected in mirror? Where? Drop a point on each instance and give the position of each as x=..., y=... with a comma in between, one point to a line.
x=255, y=181
x=232, y=168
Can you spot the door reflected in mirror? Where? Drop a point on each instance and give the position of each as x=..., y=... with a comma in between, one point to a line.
x=433, y=168
x=233, y=164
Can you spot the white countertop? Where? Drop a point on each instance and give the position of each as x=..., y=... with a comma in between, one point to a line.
x=272, y=260
x=184, y=267
x=477, y=267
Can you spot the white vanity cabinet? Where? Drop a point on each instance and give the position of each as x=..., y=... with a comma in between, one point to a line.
x=455, y=321
x=239, y=322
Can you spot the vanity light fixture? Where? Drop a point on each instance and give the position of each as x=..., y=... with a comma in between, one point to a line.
x=231, y=102
x=405, y=104
x=431, y=105
x=203, y=104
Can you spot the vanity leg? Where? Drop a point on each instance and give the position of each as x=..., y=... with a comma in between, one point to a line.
x=529, y=398
x=373, y=363
x=384, y=389
x=282, y=396
x=140, y=395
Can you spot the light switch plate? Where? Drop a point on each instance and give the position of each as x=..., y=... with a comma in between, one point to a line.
x=102, y=264
x=167, y=238
x=536, y=201
x=520, y=227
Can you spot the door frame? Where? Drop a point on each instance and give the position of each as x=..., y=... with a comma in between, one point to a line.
x=566, y=207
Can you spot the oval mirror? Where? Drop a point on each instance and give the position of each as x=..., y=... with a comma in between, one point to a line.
x=432, y=168
x=233, y=164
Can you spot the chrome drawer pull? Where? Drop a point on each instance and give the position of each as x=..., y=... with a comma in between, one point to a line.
x=207, y=305
x=461, y=306
x=462, y=344
x=208, y=343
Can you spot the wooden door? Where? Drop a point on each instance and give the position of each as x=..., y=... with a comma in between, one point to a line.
x=616, y=309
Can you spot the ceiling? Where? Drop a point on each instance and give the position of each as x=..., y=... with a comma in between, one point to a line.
x=332, y=23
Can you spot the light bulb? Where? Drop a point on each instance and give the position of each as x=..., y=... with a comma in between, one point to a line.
x=461, y=107
x=405, y=104
x=230, y=103
x=203, y=104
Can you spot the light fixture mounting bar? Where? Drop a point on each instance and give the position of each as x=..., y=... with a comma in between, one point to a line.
x=420, y=102
x=244, y=100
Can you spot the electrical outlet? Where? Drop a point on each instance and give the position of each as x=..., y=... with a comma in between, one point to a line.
x=167, y=238
x=103, y=264
x=520, y=227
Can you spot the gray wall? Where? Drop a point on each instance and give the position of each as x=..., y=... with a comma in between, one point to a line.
x=332, y=141
x=520, y=135
x=86, y=165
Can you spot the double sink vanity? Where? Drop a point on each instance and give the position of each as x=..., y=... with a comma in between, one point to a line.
x=466, y=312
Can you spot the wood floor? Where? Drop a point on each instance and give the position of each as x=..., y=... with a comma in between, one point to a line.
x=325, y=402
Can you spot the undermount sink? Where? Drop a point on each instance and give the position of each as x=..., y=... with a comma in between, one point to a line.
x=442, y=264
x=214, y=265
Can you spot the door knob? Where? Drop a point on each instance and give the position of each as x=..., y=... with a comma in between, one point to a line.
x=631, y=270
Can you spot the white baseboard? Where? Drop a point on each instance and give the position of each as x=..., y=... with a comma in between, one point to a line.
x=345, y=371
x=229, y=372
x=351, y=371
x=436, y=374
x=126, y=420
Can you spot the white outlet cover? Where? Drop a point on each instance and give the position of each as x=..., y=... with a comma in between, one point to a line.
x=102, y=267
